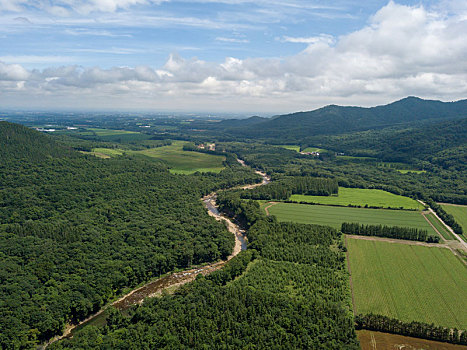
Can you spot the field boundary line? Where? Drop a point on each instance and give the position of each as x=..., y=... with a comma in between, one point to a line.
x=433, y=226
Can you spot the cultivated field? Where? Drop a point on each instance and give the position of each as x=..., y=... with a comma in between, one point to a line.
x=370, y=340
x=408, y=282
x=460, y=214
x=362, y=197
x=335, y=216
x=178, y=160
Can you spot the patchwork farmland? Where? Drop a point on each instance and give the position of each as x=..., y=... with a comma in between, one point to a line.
x=408, y=282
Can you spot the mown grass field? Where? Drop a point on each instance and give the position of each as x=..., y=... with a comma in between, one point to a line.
x=460, y=214
x=335, y=216
x=408, y=282
x=362, y=197
x=178, y=160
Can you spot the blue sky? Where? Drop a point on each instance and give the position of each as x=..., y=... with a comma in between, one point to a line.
x=229, y=55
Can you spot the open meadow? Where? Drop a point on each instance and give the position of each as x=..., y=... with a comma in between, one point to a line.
x=335, y=216
x=408, y=282
x=178, y=160
x=361, y=197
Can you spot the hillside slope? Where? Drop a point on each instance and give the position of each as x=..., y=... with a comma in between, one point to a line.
x=337, y=119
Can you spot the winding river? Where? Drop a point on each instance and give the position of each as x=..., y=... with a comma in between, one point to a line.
x=173, y=280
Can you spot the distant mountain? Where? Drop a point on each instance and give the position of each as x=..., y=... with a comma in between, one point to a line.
x=337, y=119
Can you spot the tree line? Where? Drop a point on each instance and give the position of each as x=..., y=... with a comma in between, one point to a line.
x=411, y=329
x=447, y=218
x=398, y=232
x=283, y=188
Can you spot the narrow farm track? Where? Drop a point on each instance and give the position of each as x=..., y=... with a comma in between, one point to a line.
x=269, y=206
x=434, y=228
x=155, y=288
x=463, y=244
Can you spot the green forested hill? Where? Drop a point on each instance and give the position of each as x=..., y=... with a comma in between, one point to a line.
x=422, y=142
x=337, y=119
x=19, y=142
x=76, y=230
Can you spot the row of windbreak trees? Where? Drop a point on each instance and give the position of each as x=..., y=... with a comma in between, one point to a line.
x=412, y=329
x=397, y=232
x=283, y=188
x=447, y=218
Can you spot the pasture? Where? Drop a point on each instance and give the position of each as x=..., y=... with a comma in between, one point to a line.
x=335, y=216
x=361, y=197
x=460, y=214
x=178, y=160
x=408, y=282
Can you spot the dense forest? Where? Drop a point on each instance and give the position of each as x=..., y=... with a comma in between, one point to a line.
x=76, y=230
x=289, y=292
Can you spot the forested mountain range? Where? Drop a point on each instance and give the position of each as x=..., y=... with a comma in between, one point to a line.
x=335, y=119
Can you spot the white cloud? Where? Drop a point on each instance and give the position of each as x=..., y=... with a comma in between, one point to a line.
x=13, y=72
x=232, y=40
x=403, y=50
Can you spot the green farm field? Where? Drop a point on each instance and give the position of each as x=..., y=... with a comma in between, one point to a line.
x=362, y=197
x=178, y=160
x=408, y=282
x=460, y=214
x=335, y=216
x=314, y=149
x=295, y=148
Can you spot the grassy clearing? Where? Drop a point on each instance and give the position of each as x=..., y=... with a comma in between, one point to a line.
x=314, y=149
x=405, y=171
x=335, y=216
x=460, y=214
x=362, y=197
x=178, y=160
x=409, y=282
x=291, y=147
x=111, y=152
x=440, y=227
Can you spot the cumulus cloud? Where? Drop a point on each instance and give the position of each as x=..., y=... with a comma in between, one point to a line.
x=403, y=50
